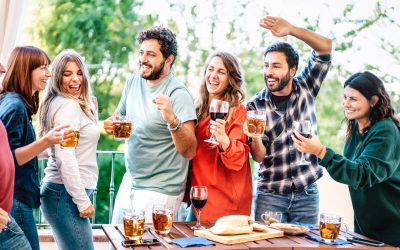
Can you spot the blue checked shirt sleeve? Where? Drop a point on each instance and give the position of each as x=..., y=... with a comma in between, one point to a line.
x=315, y=72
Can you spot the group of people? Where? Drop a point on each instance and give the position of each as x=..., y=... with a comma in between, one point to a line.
x=167, y=147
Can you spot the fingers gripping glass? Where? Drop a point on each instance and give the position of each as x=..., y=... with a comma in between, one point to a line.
x=198, y=197
x=218, y=110
x=303, y=128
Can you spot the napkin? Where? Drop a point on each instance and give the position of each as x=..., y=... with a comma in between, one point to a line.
x=310, y=226
x=193, y=242
x=318, y=239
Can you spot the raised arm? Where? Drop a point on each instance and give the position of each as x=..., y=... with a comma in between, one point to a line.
x=280, y=28
x=183, y=134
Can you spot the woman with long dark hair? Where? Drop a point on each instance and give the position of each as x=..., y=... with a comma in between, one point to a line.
x=370, y=164
x=223, y=168
x=27, y=74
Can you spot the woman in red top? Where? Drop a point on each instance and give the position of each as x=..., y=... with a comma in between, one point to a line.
x=223, y=168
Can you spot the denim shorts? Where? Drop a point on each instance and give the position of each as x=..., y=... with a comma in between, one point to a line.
x=295, y=207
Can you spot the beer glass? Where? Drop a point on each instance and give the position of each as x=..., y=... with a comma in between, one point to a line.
x=218, y=110
x=270, y=217
x=303, y=128
x=162, y=219
x=256, y=123
x=122, y=128
x=73, y=141
x=329, y=227
x=133, y=222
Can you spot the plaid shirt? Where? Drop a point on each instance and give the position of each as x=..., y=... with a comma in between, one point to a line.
x=278, y=170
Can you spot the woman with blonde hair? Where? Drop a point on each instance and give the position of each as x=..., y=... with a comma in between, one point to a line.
x=223, y=168
x=71, y=174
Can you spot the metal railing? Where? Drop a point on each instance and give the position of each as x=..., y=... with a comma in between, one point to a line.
x=41, y=223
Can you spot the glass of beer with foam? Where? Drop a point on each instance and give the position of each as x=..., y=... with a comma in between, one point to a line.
x=256, y=123
x=122, y=128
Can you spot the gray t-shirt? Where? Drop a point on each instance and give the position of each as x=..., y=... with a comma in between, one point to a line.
x=151, y=158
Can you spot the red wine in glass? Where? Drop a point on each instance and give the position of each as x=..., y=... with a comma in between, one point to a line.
x=304, y=128
x=218, y=115
x=218, y=110
x=199, y=203
x=306, y=135
x=198, y=197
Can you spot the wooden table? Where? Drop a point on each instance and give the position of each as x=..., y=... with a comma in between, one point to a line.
x=182, y=229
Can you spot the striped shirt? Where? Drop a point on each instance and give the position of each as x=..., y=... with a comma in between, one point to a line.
x=278, y=170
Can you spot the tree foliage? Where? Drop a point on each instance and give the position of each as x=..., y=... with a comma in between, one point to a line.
x=104, y=32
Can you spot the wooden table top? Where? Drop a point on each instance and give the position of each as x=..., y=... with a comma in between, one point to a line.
x=182, y=229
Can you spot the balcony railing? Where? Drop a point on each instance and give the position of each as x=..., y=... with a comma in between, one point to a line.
x=41, y=223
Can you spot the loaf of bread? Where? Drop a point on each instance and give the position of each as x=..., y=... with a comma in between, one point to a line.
x=233, y=224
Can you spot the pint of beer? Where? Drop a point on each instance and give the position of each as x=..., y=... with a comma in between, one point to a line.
x=134, y=224
x=73, y=141
x=256, y=123
x=162, y=219
x=122, y=128
x=329, y=227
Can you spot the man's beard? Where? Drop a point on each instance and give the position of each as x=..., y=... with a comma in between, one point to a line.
x=156, y=73
x=281, y=84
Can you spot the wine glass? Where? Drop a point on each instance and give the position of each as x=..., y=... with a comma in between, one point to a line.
x=198, y=197
x=304, y=128
x=218, y=110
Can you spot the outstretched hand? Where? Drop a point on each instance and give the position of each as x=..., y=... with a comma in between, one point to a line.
x=277, y=25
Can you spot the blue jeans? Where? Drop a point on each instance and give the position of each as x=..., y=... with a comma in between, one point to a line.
x=12, y=237
x=70, y=231
x=23, y=215
x=295, y=207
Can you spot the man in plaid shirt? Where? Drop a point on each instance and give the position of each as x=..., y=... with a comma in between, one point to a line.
x=284, y=186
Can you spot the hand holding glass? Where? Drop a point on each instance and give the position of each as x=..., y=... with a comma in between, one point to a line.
x=218, y=110
x=256, y=122
x=122, y=128
x=304, y=128
x=198, y=197
x=72, y=137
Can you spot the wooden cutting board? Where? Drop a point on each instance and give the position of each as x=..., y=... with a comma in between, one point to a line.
x=234, y=239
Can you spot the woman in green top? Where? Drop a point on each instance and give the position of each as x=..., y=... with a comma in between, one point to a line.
x=370, y=164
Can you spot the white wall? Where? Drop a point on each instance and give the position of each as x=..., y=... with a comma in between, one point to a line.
x=335, y=198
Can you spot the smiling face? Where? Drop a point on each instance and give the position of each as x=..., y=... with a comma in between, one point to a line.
x=39, y=77
x=216, y=78
x=152, y=64
x=356, y=106
x=277, y=75
x=72, y=79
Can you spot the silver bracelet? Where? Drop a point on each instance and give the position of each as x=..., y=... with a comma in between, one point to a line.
x=177, y=127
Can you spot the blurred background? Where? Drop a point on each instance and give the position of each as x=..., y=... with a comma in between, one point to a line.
x=104, y=32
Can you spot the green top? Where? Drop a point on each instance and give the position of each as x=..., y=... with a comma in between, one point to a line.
x=371, y=168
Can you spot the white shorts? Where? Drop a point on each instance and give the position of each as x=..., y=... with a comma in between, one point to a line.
x=142, y=199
